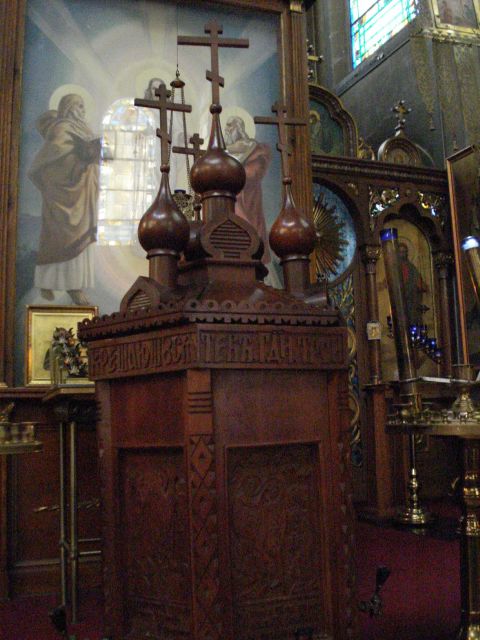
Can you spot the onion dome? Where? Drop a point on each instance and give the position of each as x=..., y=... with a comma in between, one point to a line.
x=216, y=170
x=163, y=227
x=292, y=235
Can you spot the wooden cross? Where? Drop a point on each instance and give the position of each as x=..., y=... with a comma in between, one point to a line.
x=195, y=150
x=163, y=105
x=214, y=29
x=281, y=120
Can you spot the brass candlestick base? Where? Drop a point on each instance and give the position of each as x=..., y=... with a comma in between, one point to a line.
x=471, y=632
x=413, y=514
x=414, y=517
x=462, y=421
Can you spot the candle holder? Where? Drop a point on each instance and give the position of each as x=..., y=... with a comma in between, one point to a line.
x=412, y=514
x=420, y=340
x=17, y=437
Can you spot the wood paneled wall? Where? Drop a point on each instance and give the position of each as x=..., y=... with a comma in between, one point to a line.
x=29, y=561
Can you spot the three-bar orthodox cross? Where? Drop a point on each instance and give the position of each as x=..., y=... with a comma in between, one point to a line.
x=195, y=150
x=214, y=29
x=164, y=105
x=282, y=120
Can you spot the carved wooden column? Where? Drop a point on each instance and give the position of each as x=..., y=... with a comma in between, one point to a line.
x=3, y=530
x=379, y=454
x=11, y=57
x=443, y=262
x=377, y=442
x=297, y=77
x=370, y=255
x=202, y=467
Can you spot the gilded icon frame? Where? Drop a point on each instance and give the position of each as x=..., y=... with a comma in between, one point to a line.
x=41, y=321
x=464, y=185
x=466, y=30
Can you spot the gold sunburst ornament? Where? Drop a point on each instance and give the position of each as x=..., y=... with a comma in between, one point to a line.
x=330, y=243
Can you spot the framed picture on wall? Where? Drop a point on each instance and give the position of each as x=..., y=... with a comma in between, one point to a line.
x=333, y=131
x=460, y=15
x=464, y=183
x=41, y=323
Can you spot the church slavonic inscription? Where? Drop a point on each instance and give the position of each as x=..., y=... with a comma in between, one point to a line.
x=166, y=352
x=287, y=349
x=272, y=347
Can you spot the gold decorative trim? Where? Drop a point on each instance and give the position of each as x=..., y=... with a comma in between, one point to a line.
x=296, y=6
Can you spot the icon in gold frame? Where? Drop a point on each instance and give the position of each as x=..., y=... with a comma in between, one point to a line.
x=41, y=321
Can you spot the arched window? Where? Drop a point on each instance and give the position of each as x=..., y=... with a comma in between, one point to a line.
x=130, y=169
x=129, y=172
x=373, y=22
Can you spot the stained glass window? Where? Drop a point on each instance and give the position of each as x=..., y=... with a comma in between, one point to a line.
x=373, y=22
x=130, y=170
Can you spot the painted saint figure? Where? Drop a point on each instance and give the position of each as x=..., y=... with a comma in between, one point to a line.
x=255, y=157
x=66, y=172
x=414, y=284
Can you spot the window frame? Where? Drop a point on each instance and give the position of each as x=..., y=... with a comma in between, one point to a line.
x=370, y=56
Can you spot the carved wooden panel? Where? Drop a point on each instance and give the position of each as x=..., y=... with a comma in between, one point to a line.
x=135, y=406
x=208, y=612
x=274, y=523
x=155, y=545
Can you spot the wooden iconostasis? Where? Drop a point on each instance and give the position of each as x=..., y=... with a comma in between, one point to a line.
x=355, y=196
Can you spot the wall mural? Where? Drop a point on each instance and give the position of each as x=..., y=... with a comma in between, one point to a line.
x=89, y=159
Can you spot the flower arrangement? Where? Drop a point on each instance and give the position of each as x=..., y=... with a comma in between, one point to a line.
x=66, y=354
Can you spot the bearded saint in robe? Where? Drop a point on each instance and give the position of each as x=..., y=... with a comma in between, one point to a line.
x=66, y=172
x=255, y=157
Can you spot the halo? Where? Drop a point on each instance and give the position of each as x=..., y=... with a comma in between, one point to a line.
x=163, y=71
x=412, y=250
x=241, y=113
x=65, y=89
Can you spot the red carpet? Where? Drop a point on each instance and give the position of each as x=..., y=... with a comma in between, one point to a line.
x=421, y=596
x=27, y=619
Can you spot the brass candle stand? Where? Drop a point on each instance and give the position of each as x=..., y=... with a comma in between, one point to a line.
x=461, y=420
x=412, y=513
